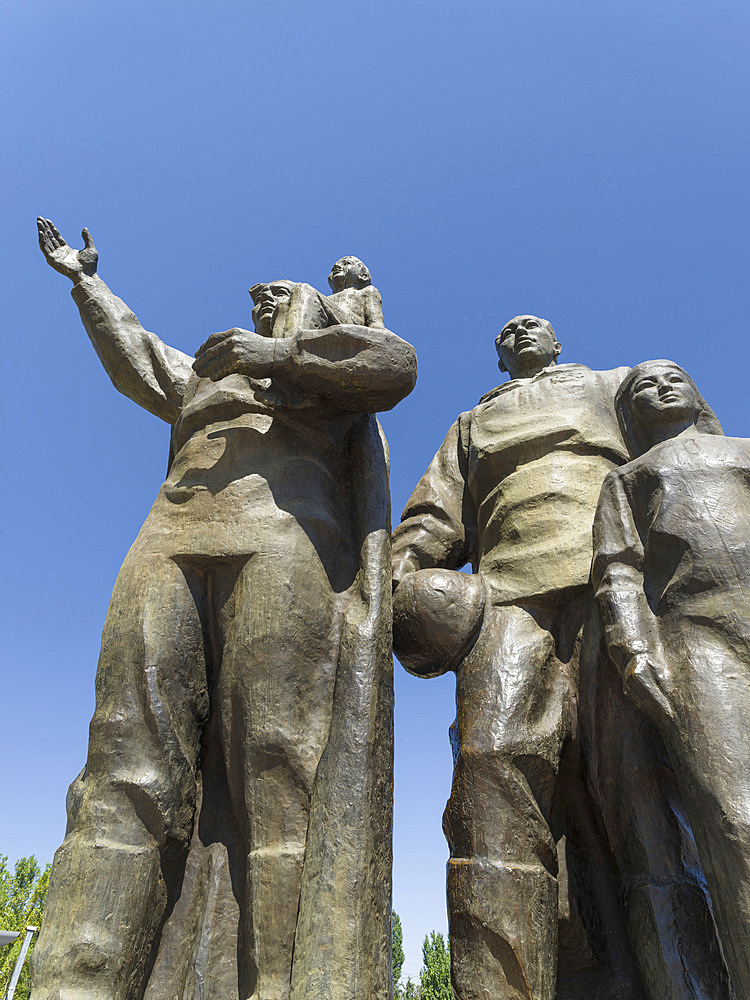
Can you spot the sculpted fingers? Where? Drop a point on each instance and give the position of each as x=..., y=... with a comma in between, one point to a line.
x=43, y=227
x=47, y=241
x=234, y=351
x=215, y=367
x=42, y=234
x=53, y=246
x=55, y=234
x=89, y=256
x=214, y=361
x=66, y=260
x=213, y=341
x=218, y=370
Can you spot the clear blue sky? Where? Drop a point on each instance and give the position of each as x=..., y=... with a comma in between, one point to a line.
x=581, y=160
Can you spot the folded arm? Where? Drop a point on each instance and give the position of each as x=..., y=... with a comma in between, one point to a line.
x=355, y=368
x=359, y=369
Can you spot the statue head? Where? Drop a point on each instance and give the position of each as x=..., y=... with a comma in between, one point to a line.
x=658, y=400
x=349, y=272
x=266, y=301
x=526, y=345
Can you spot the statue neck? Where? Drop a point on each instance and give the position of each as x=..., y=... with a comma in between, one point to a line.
x=531, y=371
x=685, y=428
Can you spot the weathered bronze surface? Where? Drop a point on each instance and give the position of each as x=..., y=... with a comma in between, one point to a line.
x=230, y=833
x=229, y=836
x=541, y=901
x=672, y=572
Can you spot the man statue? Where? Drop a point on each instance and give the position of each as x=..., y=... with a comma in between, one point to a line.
x=245, y=664
x=672, y=572
x=513, y=491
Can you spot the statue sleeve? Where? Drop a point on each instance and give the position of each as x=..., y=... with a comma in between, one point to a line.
x=139, y=364
x=438, y=526
x=630, y=626
x=355, y=368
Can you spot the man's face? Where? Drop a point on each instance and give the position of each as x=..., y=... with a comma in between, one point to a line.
x=662, y=395
x=349, y=272
x=267, y=302
x=526, y=345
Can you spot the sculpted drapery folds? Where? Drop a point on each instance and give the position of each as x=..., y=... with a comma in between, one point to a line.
x=672, y=572
x=230, y=834
x=512, y=491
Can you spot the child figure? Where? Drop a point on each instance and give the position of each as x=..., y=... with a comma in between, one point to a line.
x=354, y=299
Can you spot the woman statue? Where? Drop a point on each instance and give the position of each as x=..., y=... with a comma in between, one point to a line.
x=672, y=576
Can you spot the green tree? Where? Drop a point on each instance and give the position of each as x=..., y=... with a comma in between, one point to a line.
x=435, y=976
x=397, y=950
x=22, y=896
x=409, y=991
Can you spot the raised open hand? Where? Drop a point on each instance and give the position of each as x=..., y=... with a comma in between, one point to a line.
x=72, y=263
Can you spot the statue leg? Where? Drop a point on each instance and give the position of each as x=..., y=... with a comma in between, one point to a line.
x=710, y=748
x=515, y=712
x=130, y=812
x=669, y=921
x=275, y=694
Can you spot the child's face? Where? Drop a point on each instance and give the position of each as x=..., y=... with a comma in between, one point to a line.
x=348, y=272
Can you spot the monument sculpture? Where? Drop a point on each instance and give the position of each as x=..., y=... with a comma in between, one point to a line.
x=672, y=572
x=513, y=491
x=230, y=833
x=229, y=836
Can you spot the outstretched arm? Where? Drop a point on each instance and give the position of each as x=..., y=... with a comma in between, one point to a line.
x=140, y=365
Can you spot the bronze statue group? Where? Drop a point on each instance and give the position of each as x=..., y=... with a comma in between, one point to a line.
x=229, y=836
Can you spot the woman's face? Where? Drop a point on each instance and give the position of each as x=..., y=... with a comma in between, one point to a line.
x=662, y=395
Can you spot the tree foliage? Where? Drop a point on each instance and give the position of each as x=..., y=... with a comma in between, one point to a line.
x=22, y=896
x=435, y=975
x=409, y=991
x=397, y=949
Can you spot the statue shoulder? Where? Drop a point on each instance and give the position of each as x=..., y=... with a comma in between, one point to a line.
x=614, y=376
x=306, y=311
x=491, y=394
x=610, y=374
